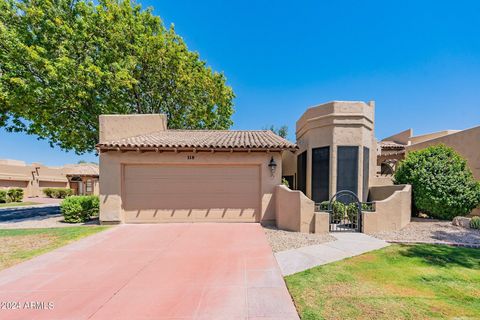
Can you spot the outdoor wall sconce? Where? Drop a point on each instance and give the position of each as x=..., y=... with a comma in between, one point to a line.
x=273, y=166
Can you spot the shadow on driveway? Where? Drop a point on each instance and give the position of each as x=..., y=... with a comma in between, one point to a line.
x=26, y=213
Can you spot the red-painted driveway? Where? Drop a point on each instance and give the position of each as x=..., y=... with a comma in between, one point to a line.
x=164, y=271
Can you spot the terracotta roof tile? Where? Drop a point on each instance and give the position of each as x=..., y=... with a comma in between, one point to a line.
x=391, y=145
x=86, y=169
x=204, y=139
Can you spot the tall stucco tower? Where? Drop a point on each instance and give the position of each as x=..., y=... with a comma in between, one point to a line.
x=337, y=150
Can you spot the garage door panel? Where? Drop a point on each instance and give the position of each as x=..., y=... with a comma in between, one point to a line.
x=192, y=215
x=195, y=202
x=185, y=193
x=187, y=187
x=195, y=172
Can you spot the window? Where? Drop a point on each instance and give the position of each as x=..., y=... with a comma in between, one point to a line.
x=320, y=174
x=302, y=172
x=89, y=186
x=366, y=172
x=347, y=168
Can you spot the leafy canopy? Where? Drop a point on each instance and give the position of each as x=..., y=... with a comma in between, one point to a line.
x=282, y=131
x=65, y=62
x=443, y=185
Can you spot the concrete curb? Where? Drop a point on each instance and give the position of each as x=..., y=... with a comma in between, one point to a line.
x=444, y=243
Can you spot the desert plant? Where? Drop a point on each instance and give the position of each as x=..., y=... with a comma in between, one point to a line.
x=79, y=208
x=285, y=183
x=15, y=195
x=475, y=223
x=3, y=196
x=443, y=185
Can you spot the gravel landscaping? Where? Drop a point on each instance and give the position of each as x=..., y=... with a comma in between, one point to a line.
x=281, y=240
x=432, y=231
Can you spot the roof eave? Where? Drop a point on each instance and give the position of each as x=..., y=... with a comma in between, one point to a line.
x=103, y=148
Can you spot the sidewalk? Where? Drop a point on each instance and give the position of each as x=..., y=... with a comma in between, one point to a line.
x=346, y=245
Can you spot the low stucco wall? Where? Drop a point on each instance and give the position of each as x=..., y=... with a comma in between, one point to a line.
x=293, y=210
x=322, y=222
x=393, y=208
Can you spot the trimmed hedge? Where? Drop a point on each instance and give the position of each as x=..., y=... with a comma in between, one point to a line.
x=77, y=209
x=58, y=193
x=443, y=185
x=3, y=196
x=14, y=195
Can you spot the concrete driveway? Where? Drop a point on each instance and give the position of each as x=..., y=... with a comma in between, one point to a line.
x=164, y=271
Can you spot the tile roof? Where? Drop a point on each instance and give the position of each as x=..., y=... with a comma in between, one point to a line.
x=391, y=145
x=82, y=169
x=204, y=139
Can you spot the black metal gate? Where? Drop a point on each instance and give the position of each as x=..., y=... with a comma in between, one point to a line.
x=345, y=212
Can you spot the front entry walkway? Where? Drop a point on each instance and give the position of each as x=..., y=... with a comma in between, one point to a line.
x=164, y=271
x=346, y=245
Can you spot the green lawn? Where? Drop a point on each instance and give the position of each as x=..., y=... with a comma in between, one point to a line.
x=18, y=245
x=17, y=204
x=397, y=282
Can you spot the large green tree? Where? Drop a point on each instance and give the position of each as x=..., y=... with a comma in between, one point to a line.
x=65, y=62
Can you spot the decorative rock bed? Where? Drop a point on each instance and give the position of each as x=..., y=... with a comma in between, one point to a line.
x=433, y=231
x=463, y=222
x=281, y=240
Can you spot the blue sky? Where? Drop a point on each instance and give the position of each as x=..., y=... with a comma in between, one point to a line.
x=419, y=60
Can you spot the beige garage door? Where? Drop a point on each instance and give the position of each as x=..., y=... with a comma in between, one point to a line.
x=168, y=193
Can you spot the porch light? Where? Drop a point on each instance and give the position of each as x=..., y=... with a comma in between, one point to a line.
x=273, y=166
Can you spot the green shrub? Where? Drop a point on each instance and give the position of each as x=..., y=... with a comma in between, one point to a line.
x=58, y=193
x=15, y=195
x=368, y=206
x=3, y=196
x=352, y=211
x=79, y=208
x=324, y=205
x=475, y=223
x=443, y=185
x=285, y=183
x=48, y=192
x=338, y=210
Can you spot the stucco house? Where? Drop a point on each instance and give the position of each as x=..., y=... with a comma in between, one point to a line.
x=393, y=149
x=465, y=142
x=151, y=174
x=34, y=178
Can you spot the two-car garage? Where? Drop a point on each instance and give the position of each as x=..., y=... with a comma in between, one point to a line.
x=178, y=193
x=186, y=175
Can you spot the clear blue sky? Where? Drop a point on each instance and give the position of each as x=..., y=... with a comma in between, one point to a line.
x=419, y=60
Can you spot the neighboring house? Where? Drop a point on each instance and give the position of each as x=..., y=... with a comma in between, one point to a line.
x=465, y=142
x=34, y=178
x=83, y=178
x=152, y=174
x=394, y=148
